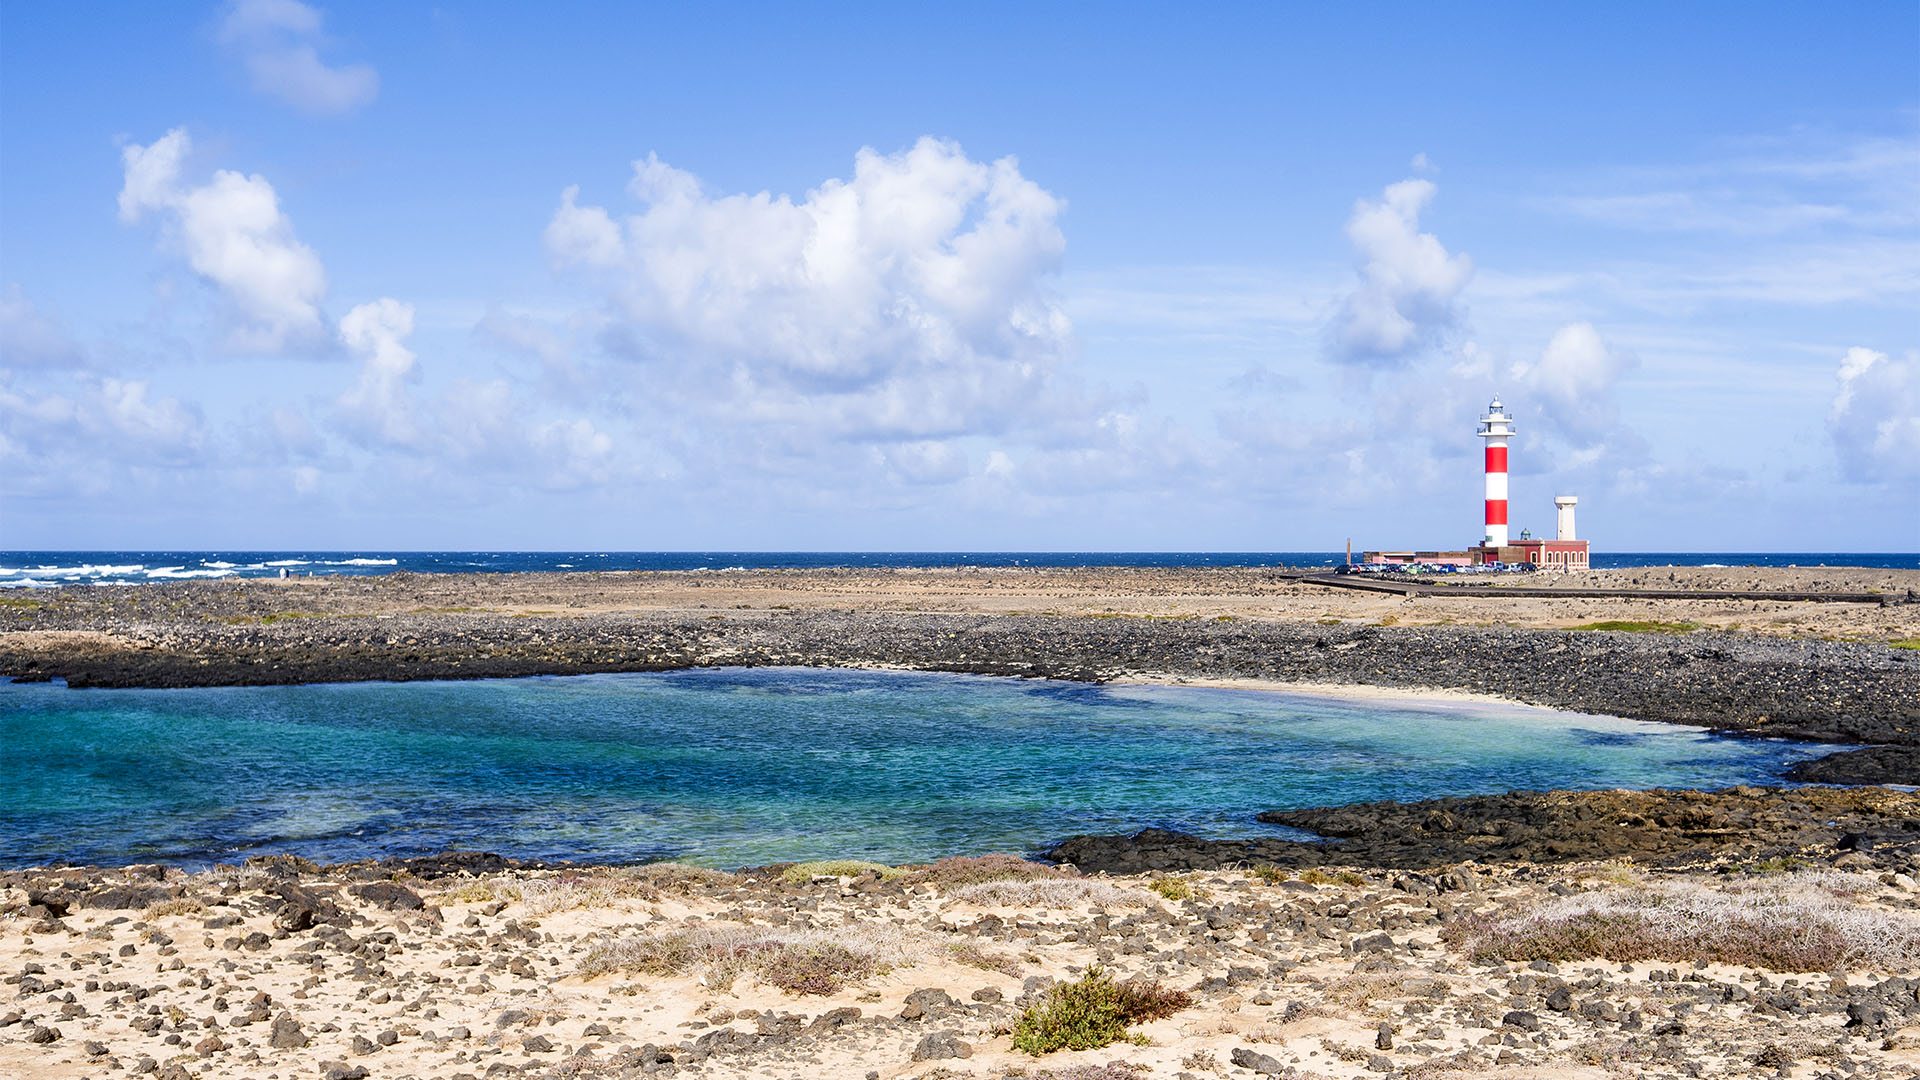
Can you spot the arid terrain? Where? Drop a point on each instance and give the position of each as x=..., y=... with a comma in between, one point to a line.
x=1753, y=932
x=1735, y=964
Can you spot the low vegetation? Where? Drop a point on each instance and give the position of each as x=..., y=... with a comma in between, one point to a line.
x=964, y=870
x=272, y=617
x=1050, y=893
x=1905, y=643
x=1172, y=889
x=1640, y=626
x=799, y=962
x=801, y=873
x=974, y=956
x=587, y=889
x=1093, y=1012
x=1782, y=922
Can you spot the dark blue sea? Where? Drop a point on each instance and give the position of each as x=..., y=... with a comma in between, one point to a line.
x=40, y=569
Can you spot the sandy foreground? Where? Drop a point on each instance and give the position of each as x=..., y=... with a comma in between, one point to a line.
x=1342, y=974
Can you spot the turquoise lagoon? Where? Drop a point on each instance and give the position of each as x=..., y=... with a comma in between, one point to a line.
x=732, y=767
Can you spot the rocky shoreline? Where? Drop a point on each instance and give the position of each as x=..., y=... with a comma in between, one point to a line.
x=250, y=633
x=1801, y=963
x=1649, y=828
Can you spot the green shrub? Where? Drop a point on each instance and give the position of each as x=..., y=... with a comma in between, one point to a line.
x=1630, y=626
x=1172, y=889
x=1268, y=874
x=1093, y=1013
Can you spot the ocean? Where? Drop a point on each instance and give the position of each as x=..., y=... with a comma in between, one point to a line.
x=729, y=767
x=44, y=569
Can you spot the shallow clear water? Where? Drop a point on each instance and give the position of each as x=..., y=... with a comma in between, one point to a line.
x=734, y=767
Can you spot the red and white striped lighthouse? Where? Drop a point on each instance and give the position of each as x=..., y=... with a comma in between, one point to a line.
x=1496, y=427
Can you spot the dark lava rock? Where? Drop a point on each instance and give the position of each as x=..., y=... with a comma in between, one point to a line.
x=940, y=1045
x=1868, y=765
x=287, y=1034
x=123, y=897
x=1264, y=1064
x=921, y=1002
x=1654, y=827
x=389, y=895
x=1522, y=1019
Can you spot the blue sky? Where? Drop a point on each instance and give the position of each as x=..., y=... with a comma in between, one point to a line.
x=275, y=274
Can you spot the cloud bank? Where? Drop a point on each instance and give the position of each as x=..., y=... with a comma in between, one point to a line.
x=905, y=306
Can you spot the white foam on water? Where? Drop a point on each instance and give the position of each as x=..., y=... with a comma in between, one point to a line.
x=288, y=562
x=218, y=565
x=361, y=562
x=178, y=572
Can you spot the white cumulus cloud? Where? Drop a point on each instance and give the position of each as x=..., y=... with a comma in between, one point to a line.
x=1875, y=416
x=910, y=302
x=278, y=41
x=235, y=236
x=377, y=407
x=1573, y=383
x=1408, y=281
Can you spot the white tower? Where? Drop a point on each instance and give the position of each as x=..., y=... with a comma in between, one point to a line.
x=1563, y=517
x=1496, y=427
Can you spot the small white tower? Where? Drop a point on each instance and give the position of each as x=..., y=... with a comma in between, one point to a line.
x=1563, y=516
x=1496, y=427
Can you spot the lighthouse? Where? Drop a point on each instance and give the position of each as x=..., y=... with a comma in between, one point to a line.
x=1496, y=427
x=1563, y=552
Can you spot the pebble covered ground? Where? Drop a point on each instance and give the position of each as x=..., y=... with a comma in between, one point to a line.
x=430, y=970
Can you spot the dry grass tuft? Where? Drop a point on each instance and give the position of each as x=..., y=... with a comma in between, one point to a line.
x=799, y=962
x=1787, y=922
x=801, y=873
x=980, y=869
x=185, y=905
x=973, y=955
x=1051, y=893
x=597, y=888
